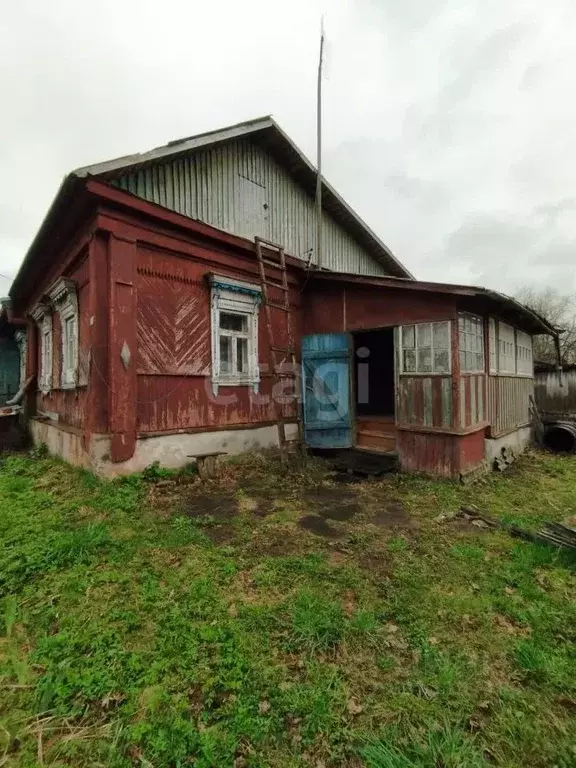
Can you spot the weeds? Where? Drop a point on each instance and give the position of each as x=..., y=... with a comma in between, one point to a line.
x=133, y=632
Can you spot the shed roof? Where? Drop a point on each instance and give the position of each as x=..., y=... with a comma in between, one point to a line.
x=265, y=132
x=472, y=298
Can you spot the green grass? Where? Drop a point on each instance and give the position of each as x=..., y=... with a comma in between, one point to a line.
x=133, y=634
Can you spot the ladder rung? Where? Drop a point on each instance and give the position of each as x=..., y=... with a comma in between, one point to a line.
x=274, y=305
x=271, y=263
x=285, y=350
x=276, y=284
x=285, y=374
x=264, y=242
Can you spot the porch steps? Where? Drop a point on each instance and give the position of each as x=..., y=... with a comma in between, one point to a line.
x=376, y=433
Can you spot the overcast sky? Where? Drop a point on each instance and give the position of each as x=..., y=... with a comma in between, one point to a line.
x=449, y=124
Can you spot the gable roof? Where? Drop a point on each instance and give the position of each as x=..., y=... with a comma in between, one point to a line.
x=266, y=133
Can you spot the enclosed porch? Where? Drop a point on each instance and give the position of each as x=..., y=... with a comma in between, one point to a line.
x=435, y=375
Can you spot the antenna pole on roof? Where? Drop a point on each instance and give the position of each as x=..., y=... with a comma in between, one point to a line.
x=319, y=153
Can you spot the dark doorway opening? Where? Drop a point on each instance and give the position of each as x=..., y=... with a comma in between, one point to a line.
x=374, y=388
x=374, y=372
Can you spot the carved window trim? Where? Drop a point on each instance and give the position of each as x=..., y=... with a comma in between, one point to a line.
x=42, y=316
x=21, y=338
x=237, y=298
x=64, y=297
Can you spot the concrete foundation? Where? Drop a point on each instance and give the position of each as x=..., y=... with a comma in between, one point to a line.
x=66, y=443
x=518, y=441
x=172, y=451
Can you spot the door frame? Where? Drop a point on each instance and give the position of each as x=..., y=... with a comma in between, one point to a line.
x=395, y=327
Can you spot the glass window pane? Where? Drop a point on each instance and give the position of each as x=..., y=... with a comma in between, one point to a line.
x=424, y=335
x=479, y=361
x=230, y=321
x=242, y=355
x=408, y=337
x=225, y=354
x=462, y=360
x=409, y=360
x=441, y=361
x=424, y=360
x=463, y=338
x=470, y=361
x=461, y=324
x=440, y=334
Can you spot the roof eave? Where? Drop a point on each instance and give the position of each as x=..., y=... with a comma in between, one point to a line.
x=65, y=192
x=531, y=319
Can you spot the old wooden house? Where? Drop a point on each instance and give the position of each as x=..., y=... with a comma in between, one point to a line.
x=146, y=332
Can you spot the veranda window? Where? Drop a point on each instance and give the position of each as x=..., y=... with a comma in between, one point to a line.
x=524, y=364
x=506, y=349
x=471, y=338
x=425, y=348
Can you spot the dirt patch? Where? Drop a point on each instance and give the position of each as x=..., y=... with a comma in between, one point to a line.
x=264, y=507
x=220, y=534
x=318, y=525
x=393, y=515
x=333, y=503
x=280, y=547
x=337, y=558
x=378, y=564
x=220, y=506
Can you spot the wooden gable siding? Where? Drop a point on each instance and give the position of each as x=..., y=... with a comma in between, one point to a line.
x=240, y=188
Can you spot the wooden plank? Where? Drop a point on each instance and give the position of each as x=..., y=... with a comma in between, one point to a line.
x=410, y=415
x=427, y=402
x=446, y=402
x=480, y=383
x=364, y=423
x=375, y=442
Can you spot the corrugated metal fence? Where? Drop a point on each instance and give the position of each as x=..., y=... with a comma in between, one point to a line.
x=555, y=394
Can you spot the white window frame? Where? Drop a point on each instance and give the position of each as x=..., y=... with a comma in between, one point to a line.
x=524, y=354
x=432, y=372
x=65, y=299
x=466, y=334
x=235, y=297
x=493, y=346
x=510, y=332
x=42, y=316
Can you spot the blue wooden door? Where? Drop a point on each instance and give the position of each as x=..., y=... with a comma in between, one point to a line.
x=326, y=390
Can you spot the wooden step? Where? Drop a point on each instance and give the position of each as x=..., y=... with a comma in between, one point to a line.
x=376, y=441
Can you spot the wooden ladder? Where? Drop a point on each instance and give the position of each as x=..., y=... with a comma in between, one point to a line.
x=275, y=259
